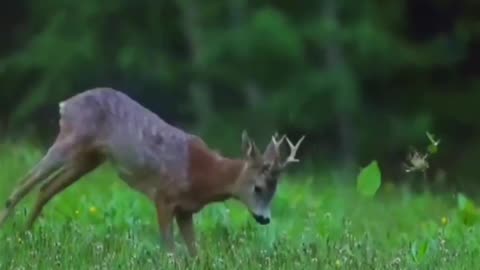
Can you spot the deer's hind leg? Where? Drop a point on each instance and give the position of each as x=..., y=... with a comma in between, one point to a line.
x=77, y=168
x=64, y=148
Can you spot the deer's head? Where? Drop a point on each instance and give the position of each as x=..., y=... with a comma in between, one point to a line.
x=258, y=181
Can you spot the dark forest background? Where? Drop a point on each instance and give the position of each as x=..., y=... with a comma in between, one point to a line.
x=362, y=79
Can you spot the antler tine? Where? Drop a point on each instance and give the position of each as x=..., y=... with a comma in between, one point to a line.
x=293, y=150
x=279, y=142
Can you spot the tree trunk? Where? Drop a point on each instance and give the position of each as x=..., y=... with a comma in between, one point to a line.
x=251, y=89
x=200, y=97
x=335, y=60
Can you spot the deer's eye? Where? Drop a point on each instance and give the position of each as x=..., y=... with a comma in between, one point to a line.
x=257, y=190
x=265, y=168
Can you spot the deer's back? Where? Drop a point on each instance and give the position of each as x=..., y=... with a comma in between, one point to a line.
x=138, y=142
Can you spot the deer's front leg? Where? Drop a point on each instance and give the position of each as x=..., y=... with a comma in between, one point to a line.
x=185, y=224
x=165, y=222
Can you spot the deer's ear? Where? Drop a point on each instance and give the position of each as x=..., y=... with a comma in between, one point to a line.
x=249, y=148
x=245, y=142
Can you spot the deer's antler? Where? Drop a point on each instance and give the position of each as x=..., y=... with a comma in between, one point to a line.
x=293, y=151
x=279, y=142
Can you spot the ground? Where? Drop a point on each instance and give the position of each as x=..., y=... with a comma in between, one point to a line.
x=99, y=223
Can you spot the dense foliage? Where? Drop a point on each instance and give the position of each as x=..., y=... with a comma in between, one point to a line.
x=363, y=79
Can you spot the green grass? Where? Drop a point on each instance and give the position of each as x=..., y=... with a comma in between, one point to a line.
x=314, y=227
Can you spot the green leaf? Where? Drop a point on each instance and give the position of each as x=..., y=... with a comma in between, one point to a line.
x=467, y=211
x=432, y=139
x=419, y=251
x=422, y=252
x=462, y=201
x=433, y=147
x=369, y=179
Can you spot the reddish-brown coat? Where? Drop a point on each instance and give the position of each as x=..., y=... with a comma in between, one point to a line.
x=211, y=176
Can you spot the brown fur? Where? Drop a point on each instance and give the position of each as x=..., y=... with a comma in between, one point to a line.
x=211, y=176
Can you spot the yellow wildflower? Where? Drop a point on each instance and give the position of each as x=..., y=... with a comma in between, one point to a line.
x=93, y=209
x=338, y=263
x=444, y=220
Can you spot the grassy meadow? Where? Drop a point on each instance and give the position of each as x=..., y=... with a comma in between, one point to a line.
x=99, y=223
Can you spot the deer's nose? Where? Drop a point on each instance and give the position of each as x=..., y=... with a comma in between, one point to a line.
x=261, y=219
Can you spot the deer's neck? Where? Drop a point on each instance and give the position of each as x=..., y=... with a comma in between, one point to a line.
x=212, y=176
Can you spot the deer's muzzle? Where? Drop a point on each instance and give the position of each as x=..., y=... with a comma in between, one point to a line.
x=261, y=219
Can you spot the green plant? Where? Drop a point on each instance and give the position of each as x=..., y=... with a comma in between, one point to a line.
x=369, y=179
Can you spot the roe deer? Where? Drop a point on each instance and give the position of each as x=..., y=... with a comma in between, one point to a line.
x=173, y=168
